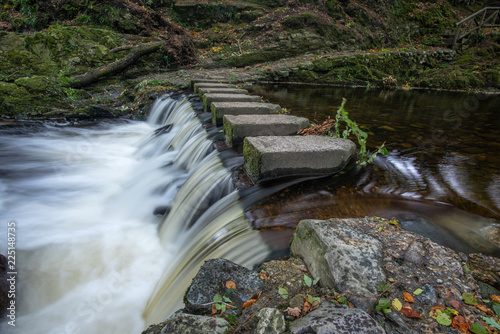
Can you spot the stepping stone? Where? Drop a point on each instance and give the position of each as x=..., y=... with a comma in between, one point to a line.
x=213, y=97
x=202, y=91
x=272, y=157
x=219, y=109
x=212, y=85
x=199, y=81
x=237, y=127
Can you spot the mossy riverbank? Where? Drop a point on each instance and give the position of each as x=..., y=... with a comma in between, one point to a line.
x=312, y=42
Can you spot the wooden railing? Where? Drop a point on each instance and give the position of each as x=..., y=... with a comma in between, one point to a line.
x=485, y=18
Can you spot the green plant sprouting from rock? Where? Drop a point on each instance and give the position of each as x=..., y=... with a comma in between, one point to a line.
x=344, y=127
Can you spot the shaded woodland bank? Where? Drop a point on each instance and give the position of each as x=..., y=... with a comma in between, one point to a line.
x=79, y=59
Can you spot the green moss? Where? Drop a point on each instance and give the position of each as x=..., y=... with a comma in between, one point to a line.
x=228, y=133
x=252, y=161
x=40, y=84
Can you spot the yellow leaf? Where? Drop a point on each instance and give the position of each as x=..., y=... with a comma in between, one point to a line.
x=435, y=313
x=397, y=304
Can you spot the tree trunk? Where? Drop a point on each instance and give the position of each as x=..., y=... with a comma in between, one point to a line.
x=118, y=66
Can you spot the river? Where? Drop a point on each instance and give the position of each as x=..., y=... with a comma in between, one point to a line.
x=112, y=220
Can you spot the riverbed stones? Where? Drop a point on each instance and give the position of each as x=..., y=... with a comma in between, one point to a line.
x=271, y=321
x=336, y=318
x=343, y=258
x=237, y=127
x=215, y=97
x=211, y=279
x=189, y=324
x=219, y=109
x=272, y=157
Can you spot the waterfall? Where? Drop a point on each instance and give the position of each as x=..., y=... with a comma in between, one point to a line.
x=93, y=254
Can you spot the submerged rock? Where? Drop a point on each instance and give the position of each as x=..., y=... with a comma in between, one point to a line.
x=211, y=279
x=335, y=318
x=342, y=257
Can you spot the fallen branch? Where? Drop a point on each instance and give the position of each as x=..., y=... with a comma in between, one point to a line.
x=115, y=67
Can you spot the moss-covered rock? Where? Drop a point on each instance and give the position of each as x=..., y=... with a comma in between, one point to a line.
x=40, y=84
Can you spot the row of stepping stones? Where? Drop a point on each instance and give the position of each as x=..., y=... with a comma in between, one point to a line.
x=271, y=147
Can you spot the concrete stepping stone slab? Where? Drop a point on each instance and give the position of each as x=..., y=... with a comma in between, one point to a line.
x=202, y=91
x=212, y=85
x=219, y=109
x=213, y=97
x=272, y=157
x=237, y=127
x=214, y=80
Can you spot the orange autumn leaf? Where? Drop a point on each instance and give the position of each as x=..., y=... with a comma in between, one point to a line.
x=460, y=323
x=230, y=285
x=408, y=298
x=484, y=309
x=307, y=307
x=438, y=307
x=214, y=309
x=248, y=303
x=410, y=313
x=263, y=276
x=455, y=303
x=495, y=299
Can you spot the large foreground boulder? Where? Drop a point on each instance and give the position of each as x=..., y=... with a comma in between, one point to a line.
x=343, y=258
x=212, y=279
x=336, y=318
x=189, y=324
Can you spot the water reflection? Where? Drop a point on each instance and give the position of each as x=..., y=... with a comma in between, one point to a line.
x=441, y=175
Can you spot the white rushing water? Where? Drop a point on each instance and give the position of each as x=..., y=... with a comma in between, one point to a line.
x=88, y=249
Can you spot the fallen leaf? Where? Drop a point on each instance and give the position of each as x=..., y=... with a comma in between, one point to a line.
x=306, y=308
x=248, y=303
x=257, y=295
x=461, y=324
x=484, y=309
x=477, y=328
x=230, y=285
x=495, y=298
x=438, y=307
x=214, y=309
x=408, y=298
x=396, y=304
x=418, y=291
x=302, y=268
x=491, y=322
x=455, y=303
x=469, y=298
x=283, y=293
x=435, y=313
x=410, y=313
x=263, y=276
x=294, y=312
x=444, y=319
x=496, y=308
